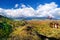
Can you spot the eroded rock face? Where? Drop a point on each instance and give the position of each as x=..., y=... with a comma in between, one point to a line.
x=54, y=24
x=28, y=28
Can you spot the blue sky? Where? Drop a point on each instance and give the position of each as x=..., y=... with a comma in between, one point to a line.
x=33, y=3
x=30, y=8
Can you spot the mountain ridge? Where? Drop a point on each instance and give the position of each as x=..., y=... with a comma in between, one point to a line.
x=29, y=18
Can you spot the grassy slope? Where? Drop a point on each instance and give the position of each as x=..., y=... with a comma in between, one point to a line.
x=42, y=27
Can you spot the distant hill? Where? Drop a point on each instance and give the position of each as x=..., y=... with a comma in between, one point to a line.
x=38, y=18
x=28, y=18
x=4, y=19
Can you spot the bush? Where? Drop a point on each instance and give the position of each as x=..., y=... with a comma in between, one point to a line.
x=5, y=30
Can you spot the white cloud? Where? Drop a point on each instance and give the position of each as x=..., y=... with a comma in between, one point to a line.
x=48, y=9
x=23, y=6
x=45, y=10
x=20, y=12
x=16, y=5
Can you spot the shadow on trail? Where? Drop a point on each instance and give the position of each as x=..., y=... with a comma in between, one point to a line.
x=44, y=37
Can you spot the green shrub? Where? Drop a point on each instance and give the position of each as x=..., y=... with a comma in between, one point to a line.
x=5, y=30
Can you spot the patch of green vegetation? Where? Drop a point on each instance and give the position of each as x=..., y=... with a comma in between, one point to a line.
x=5, y=30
